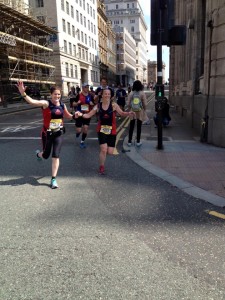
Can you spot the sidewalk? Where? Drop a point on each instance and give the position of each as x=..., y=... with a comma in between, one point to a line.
x=196, y=168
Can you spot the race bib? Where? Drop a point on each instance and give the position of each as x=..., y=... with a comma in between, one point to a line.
x=55, y=124
x=85, y=107
x=106, y=129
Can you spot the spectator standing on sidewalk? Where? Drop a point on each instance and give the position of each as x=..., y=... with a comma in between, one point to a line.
x=52, y=132
x=106, y=127
x=84, y=105
x=165, y=114
x=137, y=102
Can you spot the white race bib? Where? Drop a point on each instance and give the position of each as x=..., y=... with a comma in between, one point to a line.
x=85, y=107
x=106, y=129
x=55, y=124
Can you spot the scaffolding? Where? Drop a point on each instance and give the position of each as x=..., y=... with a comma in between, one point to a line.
x=25, y=49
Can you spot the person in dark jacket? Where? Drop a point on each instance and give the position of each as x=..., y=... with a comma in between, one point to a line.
x=165, y=114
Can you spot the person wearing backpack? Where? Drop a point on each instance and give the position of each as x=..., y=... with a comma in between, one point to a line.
x=137, y=103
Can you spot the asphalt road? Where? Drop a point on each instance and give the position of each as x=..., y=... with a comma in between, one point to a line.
x=126, y=235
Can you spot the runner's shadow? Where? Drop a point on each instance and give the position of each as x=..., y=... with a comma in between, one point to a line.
x=24, y=180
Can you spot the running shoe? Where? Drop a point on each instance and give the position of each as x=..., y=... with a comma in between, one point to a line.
x=38, y=157
x=54, y=184
x=129, y=144
x=82, y=145
x=139, y=144
x=101, y=170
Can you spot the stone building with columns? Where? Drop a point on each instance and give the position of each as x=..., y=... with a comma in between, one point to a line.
x=197, y=69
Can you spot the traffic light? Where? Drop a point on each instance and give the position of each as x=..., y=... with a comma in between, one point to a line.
x=170, y=34
x=156, y=6
x=159, y=91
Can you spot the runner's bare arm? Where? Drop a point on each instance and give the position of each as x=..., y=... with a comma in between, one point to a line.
x=121, y=112
x=38, y=103
x=90, y=114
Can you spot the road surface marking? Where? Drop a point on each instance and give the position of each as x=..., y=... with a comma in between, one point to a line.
x=216, y=214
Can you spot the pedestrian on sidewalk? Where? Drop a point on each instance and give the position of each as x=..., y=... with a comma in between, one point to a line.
x=137, y=102
x=106, y=127
x=52, y=132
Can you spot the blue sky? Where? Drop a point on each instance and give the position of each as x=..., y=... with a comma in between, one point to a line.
x=152, y=50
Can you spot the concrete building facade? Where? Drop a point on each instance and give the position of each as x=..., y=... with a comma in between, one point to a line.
x=126, y=63
x=111, y=54
x=75, y=46
x=197, y=69
x=107, y=45
x=128, y=14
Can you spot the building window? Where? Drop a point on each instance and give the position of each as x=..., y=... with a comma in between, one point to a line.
x=78, y=34
x=65, y=46
x=71, y=71
x=74, y=51
x=128, y=6
x=77, y=15
x=75, y=71
x=82, y=36
x=68, y=28
x=84, y=21
x=67, y=8
x=81, y=19
x=73, y=31
x=80, y=3
x=41, y=19
x=83, y=57
x=86, y=55
x=132, y=28
x=84, y=4
x=79, y=52
x=94, y=29
x=62, y=5
x=70, y=48
x=72, y=11
x=117, y=6
x=67, y=69
x=85, y=39
x=39, y=3
x=132, y=21
x=93, y=14
x=92, y=75
x=88, y=25
x=64, y=25
x=87, y=8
